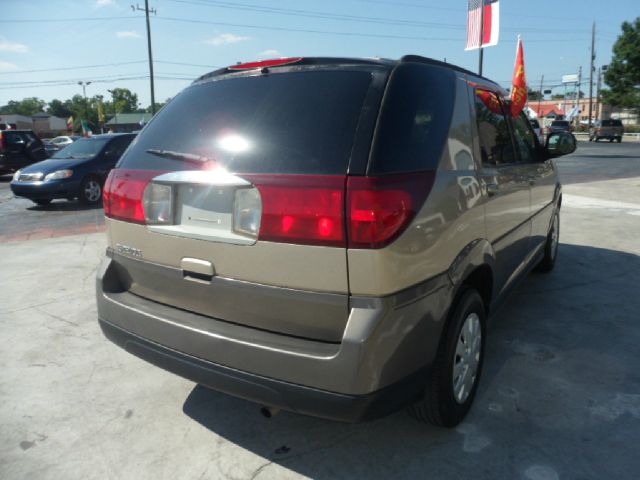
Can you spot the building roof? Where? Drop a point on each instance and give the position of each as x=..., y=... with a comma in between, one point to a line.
x=546, y=110
x=129, y=118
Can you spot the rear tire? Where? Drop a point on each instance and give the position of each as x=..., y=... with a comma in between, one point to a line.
x=619, y=139
x=90, y=191
x=456, y=370
x=551, y=247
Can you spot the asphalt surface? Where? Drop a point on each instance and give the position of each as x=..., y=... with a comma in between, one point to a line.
x=559, y=397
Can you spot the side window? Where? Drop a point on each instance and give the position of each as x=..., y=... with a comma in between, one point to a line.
x=495, y=141
x=414, y=121
x=525, y=139
x=118, y=146
x=29, y=137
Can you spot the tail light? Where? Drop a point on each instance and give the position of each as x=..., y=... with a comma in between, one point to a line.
x=323, y=210
x=302, y=209
x=1, y=141
x=380, y=208
x=123, y=194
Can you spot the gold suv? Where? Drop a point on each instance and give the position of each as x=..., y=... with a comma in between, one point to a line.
x=328, y=236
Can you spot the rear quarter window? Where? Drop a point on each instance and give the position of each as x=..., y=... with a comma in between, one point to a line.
x=414, y=120
x=295, y=122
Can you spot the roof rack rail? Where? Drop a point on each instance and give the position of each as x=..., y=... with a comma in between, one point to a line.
x=431, y=61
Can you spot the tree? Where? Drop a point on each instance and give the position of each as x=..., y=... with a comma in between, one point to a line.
x=125, y=100
x=533, y=95
x=623, y=74
x=27, y=107
x=58, y=108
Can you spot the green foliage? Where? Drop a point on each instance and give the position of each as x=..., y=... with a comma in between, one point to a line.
x=533, y=95
x=623, y=74
x=26, y=106
x=125, y=100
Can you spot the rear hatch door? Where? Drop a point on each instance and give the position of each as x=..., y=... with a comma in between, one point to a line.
x=240, y=182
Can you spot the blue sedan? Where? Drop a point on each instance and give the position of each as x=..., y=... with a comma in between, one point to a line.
x=77, y=171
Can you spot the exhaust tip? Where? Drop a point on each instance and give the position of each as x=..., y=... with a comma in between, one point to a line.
x=269, y=412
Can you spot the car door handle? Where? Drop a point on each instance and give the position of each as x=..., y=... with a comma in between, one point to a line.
x=492, y=189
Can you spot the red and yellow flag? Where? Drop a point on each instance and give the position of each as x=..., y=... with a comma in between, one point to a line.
x=519, y=88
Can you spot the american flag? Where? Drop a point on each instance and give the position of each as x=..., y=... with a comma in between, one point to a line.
x=491, y=24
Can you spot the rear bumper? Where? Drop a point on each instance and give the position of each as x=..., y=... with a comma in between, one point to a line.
x=270, y=392
x=46, y=190
x=379, y=365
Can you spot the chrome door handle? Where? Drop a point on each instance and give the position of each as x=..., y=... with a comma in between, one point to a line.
x=492, y=189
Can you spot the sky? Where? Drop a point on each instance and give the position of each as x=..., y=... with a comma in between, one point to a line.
x=48, y=46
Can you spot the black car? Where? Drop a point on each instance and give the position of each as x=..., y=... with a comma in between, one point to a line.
x=19, y=148
x=77, y=171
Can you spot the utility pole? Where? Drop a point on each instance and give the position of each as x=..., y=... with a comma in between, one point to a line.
x=593, y=57
x=598, y=91
x=115, y=109
x=146, y=12
x=540, y=97
x=481, y=37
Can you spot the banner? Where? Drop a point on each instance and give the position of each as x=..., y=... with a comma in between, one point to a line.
x=483, y=24
x=519, y=88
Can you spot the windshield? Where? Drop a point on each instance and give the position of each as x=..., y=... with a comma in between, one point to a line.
x=535, y=123
x=83, y=148
x=297, y=122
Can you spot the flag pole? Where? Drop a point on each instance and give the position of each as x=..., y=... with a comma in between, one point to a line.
x=481, y=36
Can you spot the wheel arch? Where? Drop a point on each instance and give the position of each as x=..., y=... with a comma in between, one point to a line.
x=474, y=267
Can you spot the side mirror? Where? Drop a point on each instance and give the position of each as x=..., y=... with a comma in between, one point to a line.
x=560, y=143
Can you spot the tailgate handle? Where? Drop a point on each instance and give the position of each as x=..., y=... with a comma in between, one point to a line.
x=196, y=269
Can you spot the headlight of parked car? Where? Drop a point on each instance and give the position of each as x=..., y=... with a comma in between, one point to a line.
x=16, y=175
x=58, y=175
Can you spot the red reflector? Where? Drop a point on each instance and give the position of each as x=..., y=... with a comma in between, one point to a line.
x=123, y=193
x=380, y=208
x=278, y=62
x=302, y=209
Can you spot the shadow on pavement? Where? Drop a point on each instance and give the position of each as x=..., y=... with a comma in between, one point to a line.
x=64, y=206
x=559, y=352
x=6, y=178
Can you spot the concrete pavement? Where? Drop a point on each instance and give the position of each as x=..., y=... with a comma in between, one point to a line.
x=559, y=397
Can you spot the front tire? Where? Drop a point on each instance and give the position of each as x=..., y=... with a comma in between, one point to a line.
x=551, y=247
x=90, y=191
x=456, y=370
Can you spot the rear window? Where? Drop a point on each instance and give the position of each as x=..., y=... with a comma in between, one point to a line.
x=83, y=148
x=414, y=122
x=296, y=122
x=560, y=123
x=611, y=123
x=534, y=123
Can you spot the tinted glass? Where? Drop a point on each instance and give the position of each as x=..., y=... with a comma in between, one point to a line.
x=493, y=129
x=297, y=122
x=611, y=123
x=83, y=148
x=525, y=139
x=534, y=123
x=560, y=123
x=415, y=118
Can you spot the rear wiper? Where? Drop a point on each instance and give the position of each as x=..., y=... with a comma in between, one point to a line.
x=189, y=157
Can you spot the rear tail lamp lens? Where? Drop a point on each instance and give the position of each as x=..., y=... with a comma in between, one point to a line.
x=247, y=212
x=123, y=194
x=301, y=209
x=158, y=204
x=381, y=208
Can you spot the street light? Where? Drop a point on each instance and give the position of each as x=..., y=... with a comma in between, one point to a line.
x=84, y=86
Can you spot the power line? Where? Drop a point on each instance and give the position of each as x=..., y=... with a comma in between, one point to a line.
x=118, y=64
